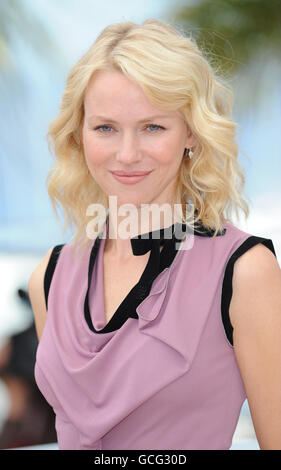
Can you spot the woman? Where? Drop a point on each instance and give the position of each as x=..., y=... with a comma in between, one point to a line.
x=154, y=341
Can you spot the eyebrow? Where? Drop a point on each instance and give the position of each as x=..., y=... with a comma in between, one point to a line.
x=150, y=118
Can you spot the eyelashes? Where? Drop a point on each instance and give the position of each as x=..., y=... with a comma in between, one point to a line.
x=150, y=125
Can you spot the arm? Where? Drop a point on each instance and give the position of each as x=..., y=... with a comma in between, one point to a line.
x=36, y=294
x=255, y=313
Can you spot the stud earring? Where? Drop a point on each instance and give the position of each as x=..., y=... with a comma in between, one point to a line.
x=190, y=153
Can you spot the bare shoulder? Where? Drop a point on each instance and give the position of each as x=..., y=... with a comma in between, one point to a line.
x=256, y=274
x=255, y=313
x=36, y=293
x=256, y=261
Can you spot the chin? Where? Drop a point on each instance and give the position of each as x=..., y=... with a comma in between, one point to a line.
x=136, y=201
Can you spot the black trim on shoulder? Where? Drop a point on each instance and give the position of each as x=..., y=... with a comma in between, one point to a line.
x=227, y=280
x=50, y=270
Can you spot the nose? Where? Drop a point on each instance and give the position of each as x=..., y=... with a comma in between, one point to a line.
x=128, y=151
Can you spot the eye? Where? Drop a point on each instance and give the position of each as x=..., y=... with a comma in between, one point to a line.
x=155, y=125
x=109, y=127
x=100, y=127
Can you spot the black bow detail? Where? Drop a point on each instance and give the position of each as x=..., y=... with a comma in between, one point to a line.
x=145, y=242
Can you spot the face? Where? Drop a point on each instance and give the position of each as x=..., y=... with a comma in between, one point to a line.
x=129, y=138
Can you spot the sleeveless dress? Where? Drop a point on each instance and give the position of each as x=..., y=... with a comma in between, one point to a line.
x=162, y=373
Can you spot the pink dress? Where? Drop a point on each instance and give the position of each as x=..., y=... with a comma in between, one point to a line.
x=162, y=374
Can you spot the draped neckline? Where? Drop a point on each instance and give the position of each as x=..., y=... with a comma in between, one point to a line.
x=158, y=260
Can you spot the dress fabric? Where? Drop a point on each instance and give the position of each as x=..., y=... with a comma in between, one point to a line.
x=164, y=376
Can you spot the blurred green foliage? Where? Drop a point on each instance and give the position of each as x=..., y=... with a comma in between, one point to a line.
x=232, y=32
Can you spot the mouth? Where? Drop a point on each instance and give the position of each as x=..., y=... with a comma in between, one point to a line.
x=130, y=173
x=130, y=178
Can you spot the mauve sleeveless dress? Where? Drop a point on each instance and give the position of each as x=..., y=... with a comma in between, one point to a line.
x=167, y=377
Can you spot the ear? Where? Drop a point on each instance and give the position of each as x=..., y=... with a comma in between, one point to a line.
x=191, y=141
x=81, y=130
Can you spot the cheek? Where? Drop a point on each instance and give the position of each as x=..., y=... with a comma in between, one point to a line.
x=168, y=156
x=169, y=150
x=94, y=153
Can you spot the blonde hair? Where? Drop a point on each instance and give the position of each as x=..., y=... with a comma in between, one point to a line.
x=174, y=75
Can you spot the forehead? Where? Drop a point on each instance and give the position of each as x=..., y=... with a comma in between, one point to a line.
x=112, y=93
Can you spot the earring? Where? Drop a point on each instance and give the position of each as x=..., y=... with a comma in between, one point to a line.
x=190, y=153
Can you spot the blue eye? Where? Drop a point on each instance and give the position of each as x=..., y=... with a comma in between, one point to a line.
x=99, y=127
x=155, y=125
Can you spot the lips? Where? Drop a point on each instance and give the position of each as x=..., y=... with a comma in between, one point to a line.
x=135, y=173
x=133, y=178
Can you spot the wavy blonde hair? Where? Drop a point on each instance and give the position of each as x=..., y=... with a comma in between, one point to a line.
x=175, y=75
